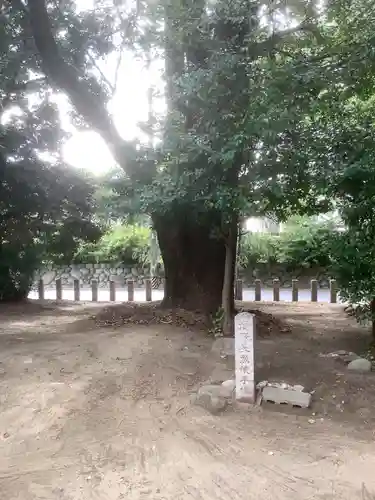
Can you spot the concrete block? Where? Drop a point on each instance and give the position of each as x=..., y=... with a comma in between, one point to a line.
x=279, y=395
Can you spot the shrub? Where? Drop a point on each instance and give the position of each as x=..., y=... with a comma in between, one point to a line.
x=304, y=243
x=257, y=248
x=353, y=266
x=127, y=244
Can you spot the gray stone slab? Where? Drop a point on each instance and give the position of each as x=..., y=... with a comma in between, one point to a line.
x=279, y=395
x=360, y=365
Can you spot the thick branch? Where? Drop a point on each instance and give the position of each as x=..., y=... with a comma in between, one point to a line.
x=267, y=46
x=91, y=106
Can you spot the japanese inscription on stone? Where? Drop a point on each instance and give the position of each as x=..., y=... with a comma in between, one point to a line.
x=244, y=356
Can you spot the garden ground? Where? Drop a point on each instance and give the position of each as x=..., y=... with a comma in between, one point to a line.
x=104, y=412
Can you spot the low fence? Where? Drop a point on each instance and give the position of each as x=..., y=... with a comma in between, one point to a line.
x=149, y=287
x=295, y=290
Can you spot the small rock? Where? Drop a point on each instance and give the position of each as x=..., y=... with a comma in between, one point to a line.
x=360, y=365
x=213, y=398
x=350, y=356
x=217, y=405
x=311, y=421
x=343, y=356
x=216, y=390
x=210, y=402
x=229, y=385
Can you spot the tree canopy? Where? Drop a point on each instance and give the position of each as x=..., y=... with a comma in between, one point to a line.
x=269, y=110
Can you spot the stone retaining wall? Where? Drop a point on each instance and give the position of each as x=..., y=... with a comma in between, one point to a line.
x=86, y=273
x=103, y=273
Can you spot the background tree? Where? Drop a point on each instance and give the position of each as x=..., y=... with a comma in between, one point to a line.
x=46, y=211
x=353, y=249
x=46, y=208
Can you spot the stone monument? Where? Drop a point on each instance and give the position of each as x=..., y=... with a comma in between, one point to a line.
x=244, y=331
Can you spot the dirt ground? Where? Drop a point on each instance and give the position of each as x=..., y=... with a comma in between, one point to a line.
x=89, y=412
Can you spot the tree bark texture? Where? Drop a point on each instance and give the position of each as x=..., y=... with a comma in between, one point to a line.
x=193, y=262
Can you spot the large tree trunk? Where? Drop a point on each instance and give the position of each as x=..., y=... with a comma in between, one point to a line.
x=194, y=259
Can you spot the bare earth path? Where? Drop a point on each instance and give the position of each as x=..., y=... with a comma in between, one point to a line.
x=88, y=413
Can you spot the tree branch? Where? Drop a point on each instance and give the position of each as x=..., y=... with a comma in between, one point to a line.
x=90, y=105
x=102, y=75
x=267, y=46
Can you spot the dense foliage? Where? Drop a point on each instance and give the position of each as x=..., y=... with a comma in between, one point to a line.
x=304, y=243
x=354, y=250
x=269, y=111
x=127, y=244
x=45, y=213
x=46, y=208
